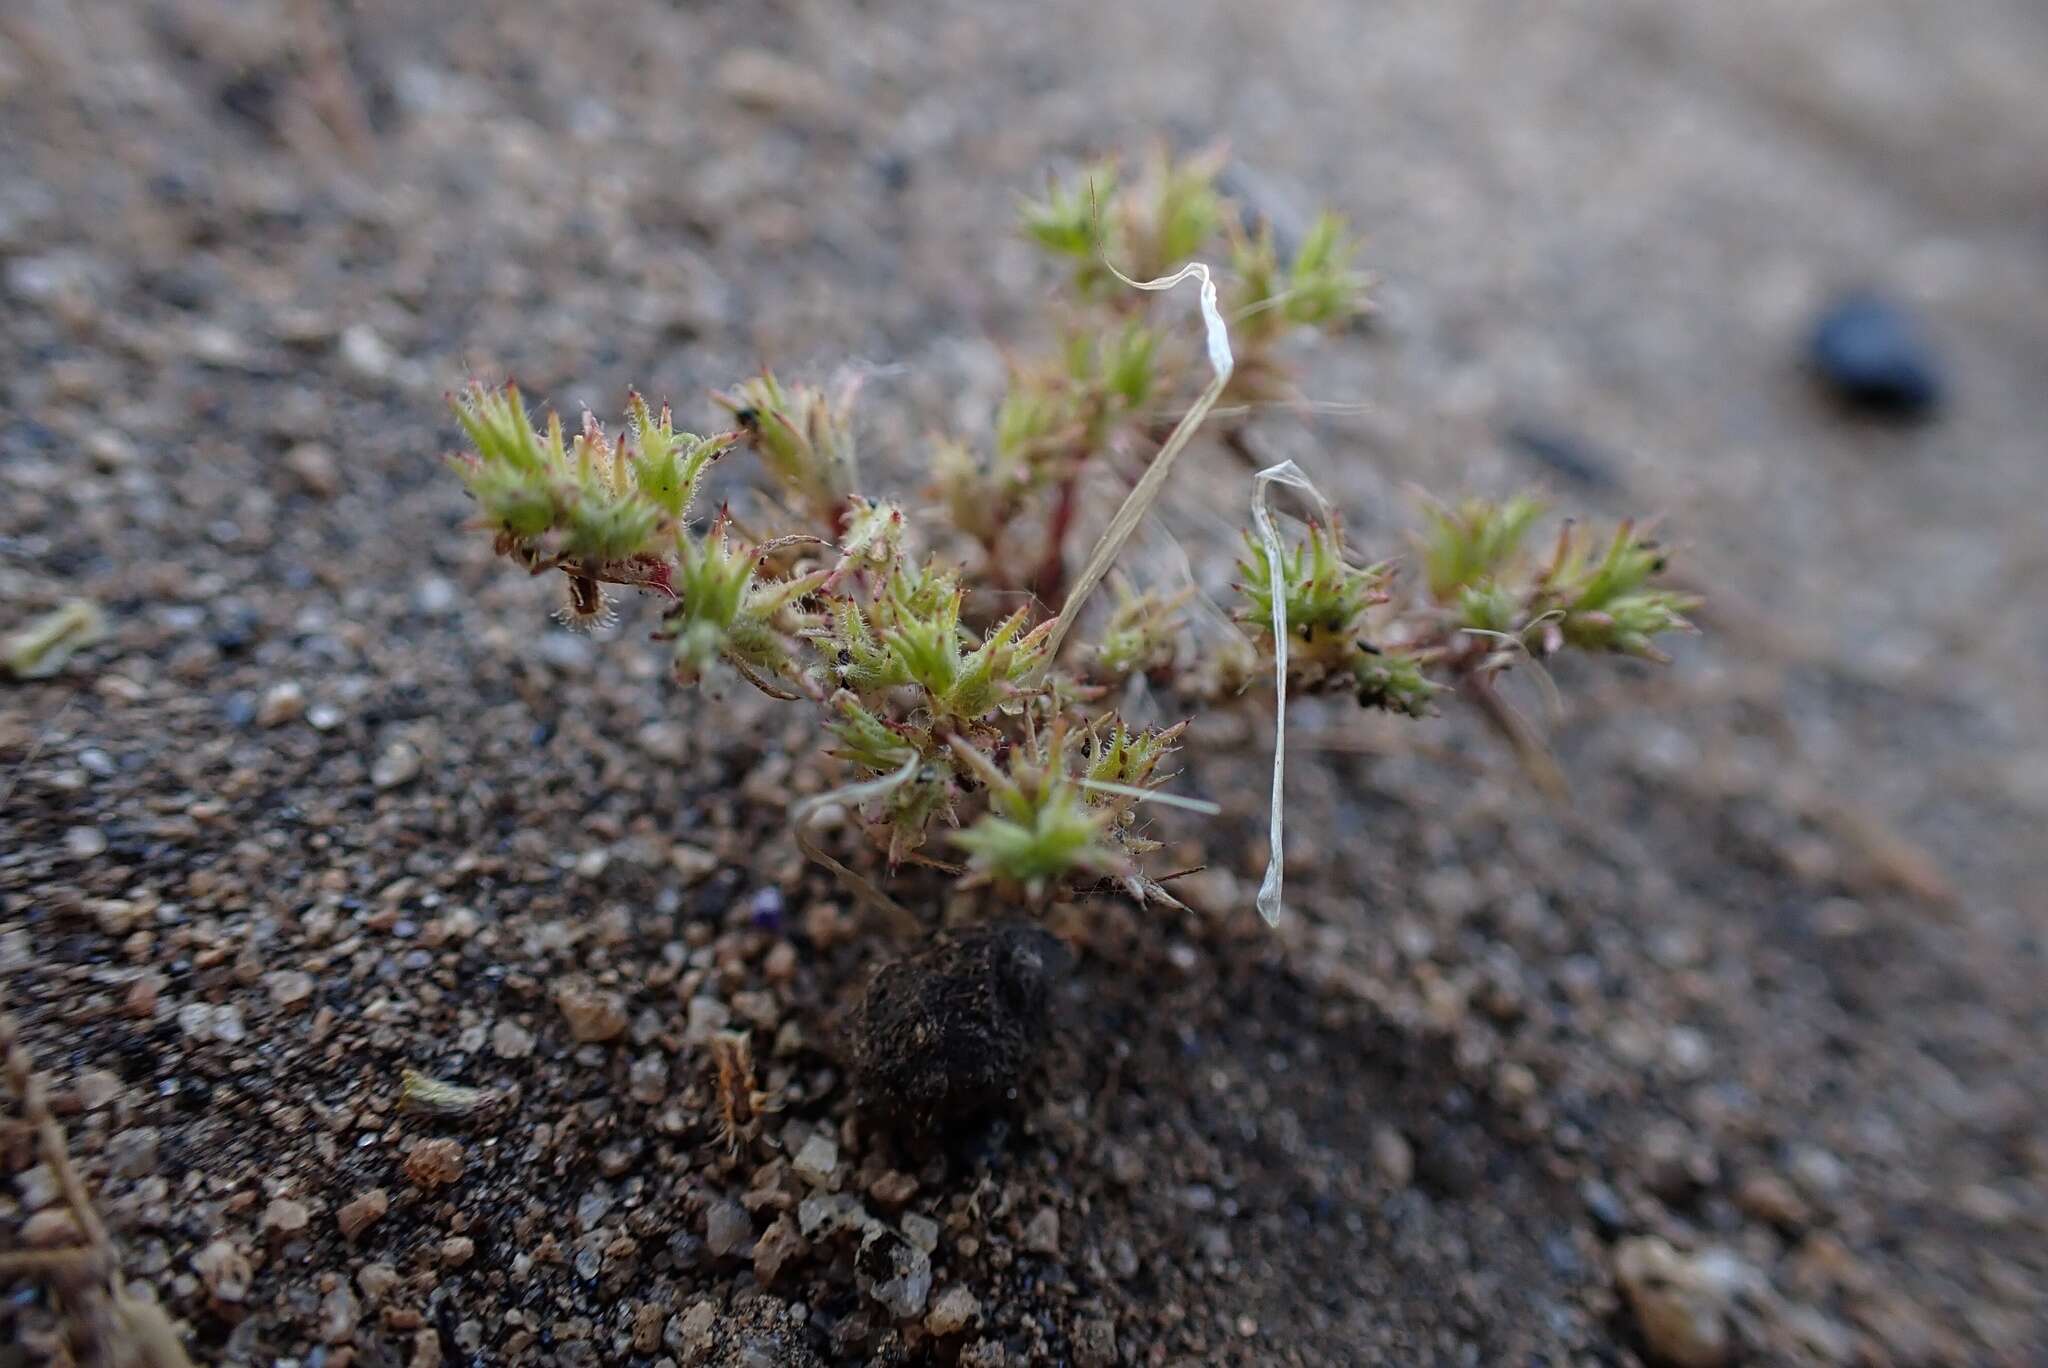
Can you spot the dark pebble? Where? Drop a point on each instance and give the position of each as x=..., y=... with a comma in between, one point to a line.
x=894, y=170
x=236, y=634
x=1560, y=451
x=1870, y=354
x=251, y=96
x=180, y=288
x=1603, y=1204
x=176, y=188
x=1450, y=1163
x=685, y=1251
x=1562, y=1257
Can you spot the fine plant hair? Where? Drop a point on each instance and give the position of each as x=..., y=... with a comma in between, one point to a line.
x=984, y=742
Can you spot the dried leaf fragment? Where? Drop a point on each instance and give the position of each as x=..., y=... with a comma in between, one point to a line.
x=426, y=1096
x=44, y=646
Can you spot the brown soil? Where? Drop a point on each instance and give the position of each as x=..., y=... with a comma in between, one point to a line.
x=335, y=801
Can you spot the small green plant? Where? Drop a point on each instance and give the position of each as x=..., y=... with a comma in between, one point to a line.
x=978, y=738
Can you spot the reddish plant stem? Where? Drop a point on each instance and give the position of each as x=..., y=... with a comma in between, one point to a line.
x=1050, y=580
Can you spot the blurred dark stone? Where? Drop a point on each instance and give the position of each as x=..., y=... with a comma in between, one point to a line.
x=180, y=287
x=1605, y=1206
x=895, y=172
x=252, y=98
x=1870, y=353
x=239, y=709
x=1561, y=451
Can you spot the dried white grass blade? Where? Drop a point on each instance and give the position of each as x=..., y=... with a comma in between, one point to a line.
x=1201, y=805
x=852, y=795
x=1147, y=489
x=1287, y=473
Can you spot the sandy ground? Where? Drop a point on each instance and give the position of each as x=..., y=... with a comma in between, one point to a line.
x=1736, y=1057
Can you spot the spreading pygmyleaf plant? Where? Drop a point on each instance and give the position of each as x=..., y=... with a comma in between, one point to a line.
x=975, y=735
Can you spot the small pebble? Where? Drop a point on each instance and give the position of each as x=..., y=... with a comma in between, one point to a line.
x=594, y=1016
x=1817, y=1171
x=96, y=1088
x=692, y=863
x=728, y=1229
x=366, y=354
x=359, y=1215
x=1393, y=1158
x=399, y=764
x=435, y=596
x=1769, y=1198
x=989, y=1353
x=647, y=1080
x=1604, y=1205
x=817, y=1163
x=434, y=1163
x=1563, y=452
x=690, y=1332
x=281, y=703
x=1095, y=1344
x=646, y=1327
x=592, y=1206
x=339, y=1312
x=829, y=1213
x=953, y=1310
x=894, y=1188
x=133, y=1153
x=921, y=1231
x=289, y=987
x=1671, y=1163
x=376, y=1280
x=201, y=1020
x=1042, y=1233
x=1870, y=353
x=315, y=468
x=224, y=1270
x=1681, y=1301
x=227, y=1025
x=894, y=1272
x=284, y=1218
x=779, y=1246
x=141, y=999
x=1687, y=1052
x=510, y=1040
x=705, y=1018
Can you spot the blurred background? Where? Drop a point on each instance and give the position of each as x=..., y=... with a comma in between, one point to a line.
x=1777, y=272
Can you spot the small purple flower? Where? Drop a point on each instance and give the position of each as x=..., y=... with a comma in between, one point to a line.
x=766, y=909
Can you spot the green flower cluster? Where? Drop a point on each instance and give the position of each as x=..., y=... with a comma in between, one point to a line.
x=922, y=631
